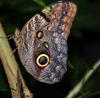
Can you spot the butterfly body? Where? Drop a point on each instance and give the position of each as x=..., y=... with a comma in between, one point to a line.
x=42, y=45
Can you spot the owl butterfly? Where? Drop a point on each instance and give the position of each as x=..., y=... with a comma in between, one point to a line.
x=42, y=45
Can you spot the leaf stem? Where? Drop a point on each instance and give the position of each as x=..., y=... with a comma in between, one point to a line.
x=77, y=88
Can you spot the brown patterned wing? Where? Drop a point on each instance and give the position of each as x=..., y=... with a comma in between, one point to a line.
x=42, y=45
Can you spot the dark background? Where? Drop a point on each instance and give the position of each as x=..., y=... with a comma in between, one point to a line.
x=83, y=48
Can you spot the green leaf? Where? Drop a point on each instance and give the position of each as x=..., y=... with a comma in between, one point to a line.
x=42, y=4
x=70, y=65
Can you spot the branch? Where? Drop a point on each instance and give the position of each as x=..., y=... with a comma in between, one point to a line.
x=77, y=88
x=15, y=79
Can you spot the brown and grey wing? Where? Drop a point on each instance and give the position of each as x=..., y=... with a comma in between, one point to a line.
x=54, y=26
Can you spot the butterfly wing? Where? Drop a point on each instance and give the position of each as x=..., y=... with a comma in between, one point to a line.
x=42, y=45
